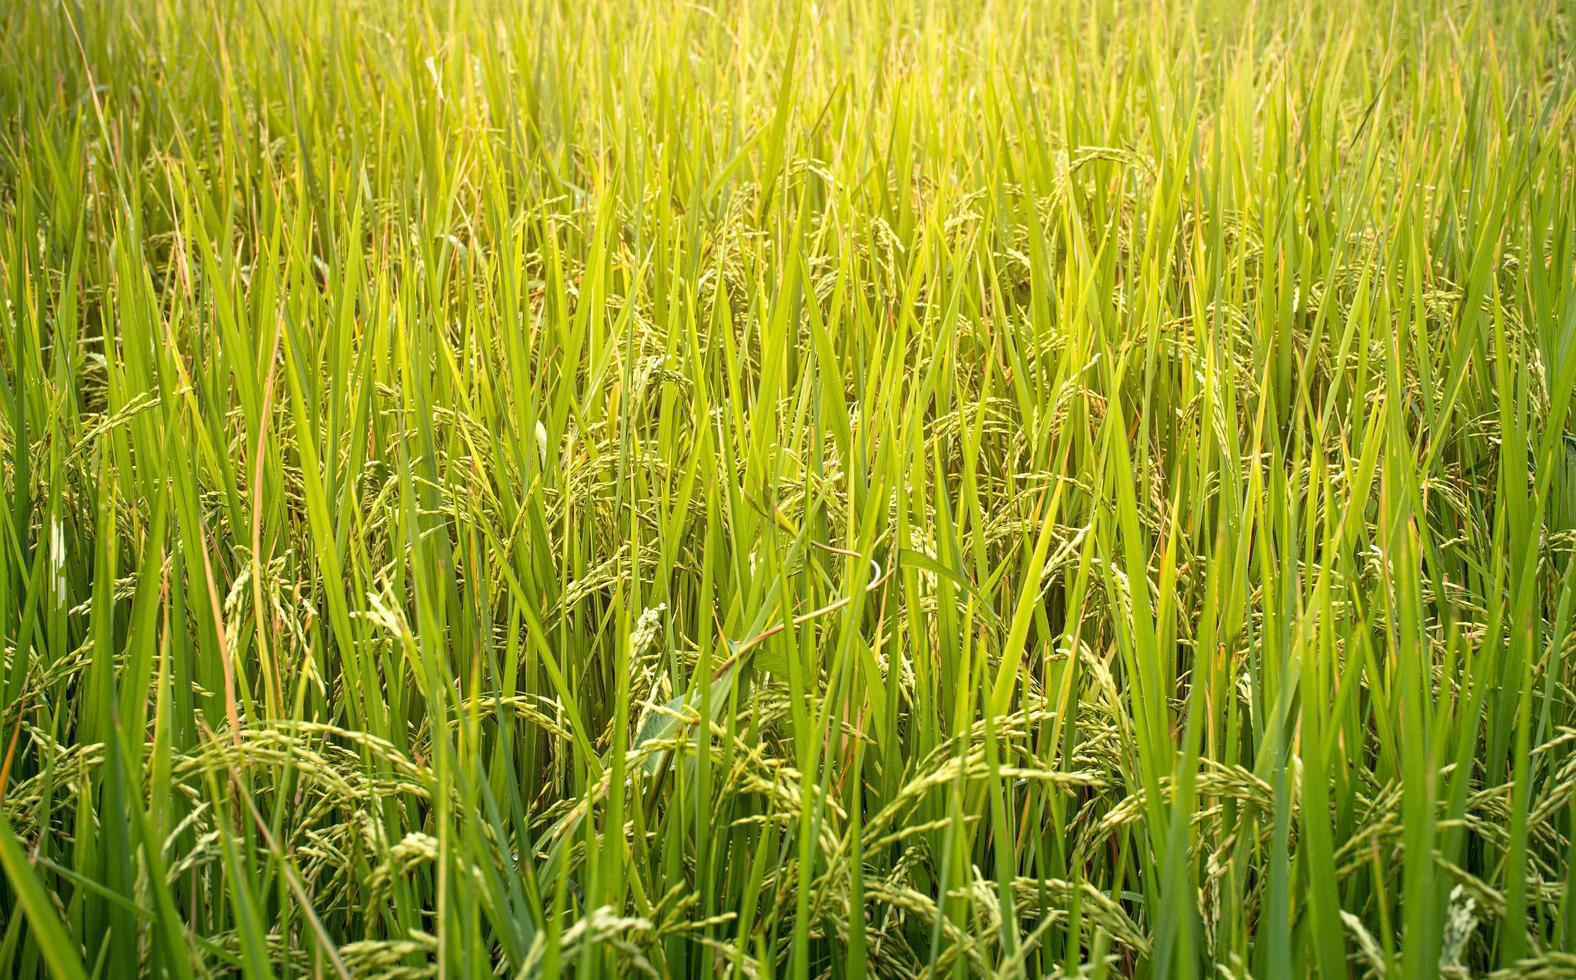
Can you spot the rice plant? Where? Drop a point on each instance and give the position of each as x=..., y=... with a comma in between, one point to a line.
x=770, y=488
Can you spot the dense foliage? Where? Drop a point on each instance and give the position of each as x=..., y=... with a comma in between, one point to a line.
x=783, y=487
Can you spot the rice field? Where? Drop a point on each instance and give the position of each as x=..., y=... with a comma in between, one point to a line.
x=783, y=488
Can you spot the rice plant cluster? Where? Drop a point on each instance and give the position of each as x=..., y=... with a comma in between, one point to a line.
x=787, y=488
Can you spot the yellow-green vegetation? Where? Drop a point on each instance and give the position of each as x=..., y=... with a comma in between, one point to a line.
x=787, y=488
